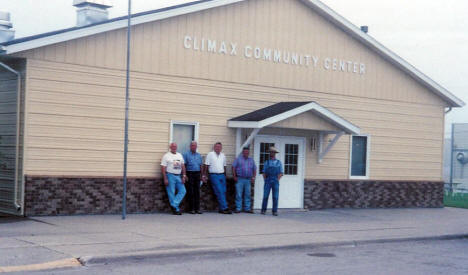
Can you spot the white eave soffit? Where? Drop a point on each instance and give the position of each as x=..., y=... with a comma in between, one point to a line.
x=316, y=5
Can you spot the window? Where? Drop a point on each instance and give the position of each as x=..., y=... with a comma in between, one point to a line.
x=183, y=133
x=359, y=159
x=264, y=153
x=291, y=158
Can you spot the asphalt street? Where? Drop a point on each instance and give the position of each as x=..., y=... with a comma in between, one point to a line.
x=421, y=257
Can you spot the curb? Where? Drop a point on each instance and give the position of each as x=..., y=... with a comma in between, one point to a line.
x=64, y=263
x=113, y=258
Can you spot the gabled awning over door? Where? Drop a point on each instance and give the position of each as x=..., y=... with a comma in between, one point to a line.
x=284, y=110
x=278, y=114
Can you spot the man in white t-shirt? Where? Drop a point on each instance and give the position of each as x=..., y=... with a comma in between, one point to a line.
x=173, y=171
x=215, y=165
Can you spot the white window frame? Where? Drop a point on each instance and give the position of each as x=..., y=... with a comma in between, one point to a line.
x=178, y=122
x=368, y=149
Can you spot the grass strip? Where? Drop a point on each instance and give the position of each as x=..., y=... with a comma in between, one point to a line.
x=459, y=200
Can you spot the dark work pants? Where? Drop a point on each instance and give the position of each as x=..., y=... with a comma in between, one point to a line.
x=193, y=190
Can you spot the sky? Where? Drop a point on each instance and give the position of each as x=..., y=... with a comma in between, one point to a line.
x=432, y=35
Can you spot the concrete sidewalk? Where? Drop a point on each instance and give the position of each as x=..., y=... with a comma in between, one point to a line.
x=107, y=238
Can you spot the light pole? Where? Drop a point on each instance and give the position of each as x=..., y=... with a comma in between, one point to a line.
x=124, y=195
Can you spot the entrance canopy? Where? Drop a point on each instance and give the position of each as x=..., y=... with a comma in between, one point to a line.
x=307, y=115
x=285, y=110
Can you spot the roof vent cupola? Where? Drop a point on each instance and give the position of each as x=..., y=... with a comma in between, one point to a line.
x=91, y=11
x=6, y=31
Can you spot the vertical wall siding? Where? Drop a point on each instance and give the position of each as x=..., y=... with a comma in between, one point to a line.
x=8, y=138
x=76, y=94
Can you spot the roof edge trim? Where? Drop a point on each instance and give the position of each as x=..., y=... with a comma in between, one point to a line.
x=114, y=25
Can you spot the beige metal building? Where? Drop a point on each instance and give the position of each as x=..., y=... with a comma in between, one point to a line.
x=357, y=126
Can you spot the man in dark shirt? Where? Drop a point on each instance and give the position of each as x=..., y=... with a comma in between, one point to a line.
x=193, y=165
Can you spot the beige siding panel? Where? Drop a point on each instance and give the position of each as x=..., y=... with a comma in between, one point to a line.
x=404, y=142
x=308, y=121
x=72, y=113
x=137, y=105
x=207, y=88
x=90, y=133
x=77, y=167
x=409, y=152
x=407, y=173
x=421, y=121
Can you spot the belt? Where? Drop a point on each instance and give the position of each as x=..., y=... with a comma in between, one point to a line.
x=244, y=177
x=216, y=173
x=193, y=172
x=173, y=174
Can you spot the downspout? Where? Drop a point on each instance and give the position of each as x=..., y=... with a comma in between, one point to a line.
x=18, y=113
x=448, y=111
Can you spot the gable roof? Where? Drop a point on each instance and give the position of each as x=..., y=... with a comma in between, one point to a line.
x=284, y=110
x=36, y=41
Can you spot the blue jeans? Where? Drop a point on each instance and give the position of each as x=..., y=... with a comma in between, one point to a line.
x=243, y=186
x=273, y=185
x=175, y=183
x=218, y=181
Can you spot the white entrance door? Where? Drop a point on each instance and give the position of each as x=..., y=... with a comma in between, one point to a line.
x=291, y=192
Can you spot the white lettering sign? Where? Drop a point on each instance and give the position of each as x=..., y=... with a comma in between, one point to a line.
x=274, y=55
x=233, y=49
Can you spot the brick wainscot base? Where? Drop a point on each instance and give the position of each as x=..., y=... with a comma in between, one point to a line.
x=321, y=194
x=103, y=195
